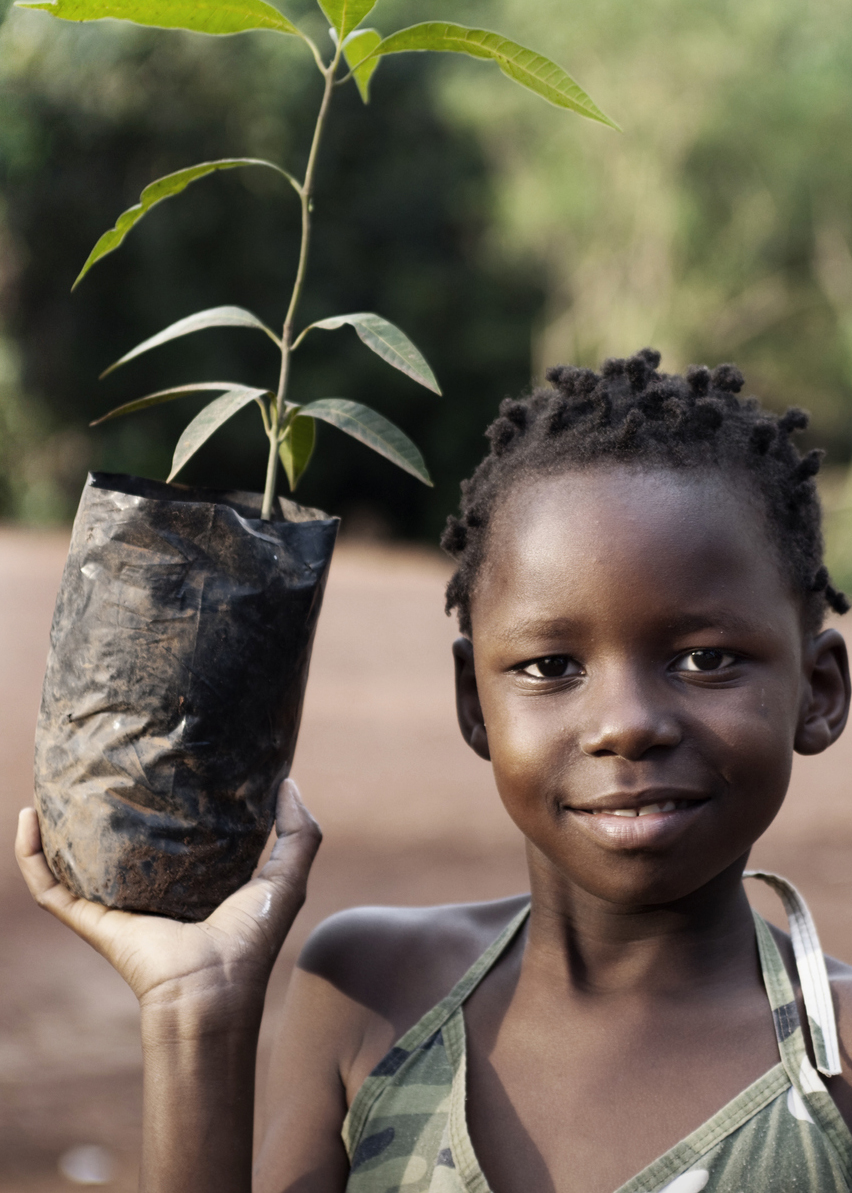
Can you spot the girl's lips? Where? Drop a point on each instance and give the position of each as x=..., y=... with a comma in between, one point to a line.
x=641, y=827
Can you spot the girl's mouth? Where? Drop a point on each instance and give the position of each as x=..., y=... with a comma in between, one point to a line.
x=669, y=805
x=642, y=826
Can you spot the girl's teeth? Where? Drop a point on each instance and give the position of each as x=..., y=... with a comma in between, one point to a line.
x=647, y=810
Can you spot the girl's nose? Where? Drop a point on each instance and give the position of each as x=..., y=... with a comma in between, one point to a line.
x=627, y=718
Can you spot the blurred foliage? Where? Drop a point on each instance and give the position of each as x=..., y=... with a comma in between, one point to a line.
x=717, y=226
x=836, y=493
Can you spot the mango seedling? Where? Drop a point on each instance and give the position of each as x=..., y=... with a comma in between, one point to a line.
x=356, y=54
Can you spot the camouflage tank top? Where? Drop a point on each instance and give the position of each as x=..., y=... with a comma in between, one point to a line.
x=406, y=1131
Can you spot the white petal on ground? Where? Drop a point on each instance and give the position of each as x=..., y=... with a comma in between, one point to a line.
x=87, y=1165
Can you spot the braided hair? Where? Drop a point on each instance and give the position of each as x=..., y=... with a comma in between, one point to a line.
x=631, y=413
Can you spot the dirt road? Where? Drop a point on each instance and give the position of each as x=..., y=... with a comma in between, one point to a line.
x=410, y=816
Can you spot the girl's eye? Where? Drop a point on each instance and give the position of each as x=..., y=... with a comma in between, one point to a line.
x=552, y=666
x=704, y=660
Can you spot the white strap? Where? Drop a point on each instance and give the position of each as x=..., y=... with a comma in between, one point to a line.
x=813, y=975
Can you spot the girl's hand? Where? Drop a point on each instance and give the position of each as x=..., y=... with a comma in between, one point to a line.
x=219, y=964
x=201, y=988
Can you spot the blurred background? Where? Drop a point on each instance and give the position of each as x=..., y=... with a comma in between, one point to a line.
x=502, y=235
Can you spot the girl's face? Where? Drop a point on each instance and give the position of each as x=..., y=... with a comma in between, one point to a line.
x=642, y=677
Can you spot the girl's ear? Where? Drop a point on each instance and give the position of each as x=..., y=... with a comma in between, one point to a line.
x=825, y=706
x=467, y=700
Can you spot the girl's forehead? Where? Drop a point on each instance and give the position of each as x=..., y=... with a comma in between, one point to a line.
x=604, y=537
x=581, y=506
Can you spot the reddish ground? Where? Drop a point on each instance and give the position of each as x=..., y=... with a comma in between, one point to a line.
x=410, y=816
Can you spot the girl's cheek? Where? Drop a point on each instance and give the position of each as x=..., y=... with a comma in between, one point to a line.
x=528, y=748
x=760, y=714
x=748, y=741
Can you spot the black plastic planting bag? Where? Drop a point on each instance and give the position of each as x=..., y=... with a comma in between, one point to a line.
x=178, y=662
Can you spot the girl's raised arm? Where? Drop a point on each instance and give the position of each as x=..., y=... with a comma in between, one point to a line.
x=201, y=989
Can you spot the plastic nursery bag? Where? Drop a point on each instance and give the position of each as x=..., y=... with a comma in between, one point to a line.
x=178, y=661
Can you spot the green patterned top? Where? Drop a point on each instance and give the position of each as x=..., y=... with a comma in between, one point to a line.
x=406, y=1131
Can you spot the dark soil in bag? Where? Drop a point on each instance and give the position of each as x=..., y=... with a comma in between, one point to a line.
x=178, y=662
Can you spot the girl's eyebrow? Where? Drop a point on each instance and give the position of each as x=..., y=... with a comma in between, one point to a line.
x=721, y=619
x=726, y=620
x=553, y=627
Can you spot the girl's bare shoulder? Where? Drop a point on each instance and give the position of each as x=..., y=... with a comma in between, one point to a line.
x=397, y=962
x=840, y=977
x=363, y=979
x=840, y=1088
x=839, y=973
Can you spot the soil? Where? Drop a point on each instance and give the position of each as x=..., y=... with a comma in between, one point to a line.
x=410, y=816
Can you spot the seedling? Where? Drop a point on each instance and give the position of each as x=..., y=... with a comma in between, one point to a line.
x=357, y=52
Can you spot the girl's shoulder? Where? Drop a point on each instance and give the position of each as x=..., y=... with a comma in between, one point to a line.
x=398, y=962
x=839, y=974
x=363, y=979
x=840, y=981
x=840, y=978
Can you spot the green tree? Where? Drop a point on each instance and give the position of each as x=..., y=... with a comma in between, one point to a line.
x=698, y=230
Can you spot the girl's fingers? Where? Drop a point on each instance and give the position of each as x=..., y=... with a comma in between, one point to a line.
x=273, y=897
x=269, y=902
x=299, y=838
x=28, y=840
x=30, y=857
x=291, y=815
x=50, y=894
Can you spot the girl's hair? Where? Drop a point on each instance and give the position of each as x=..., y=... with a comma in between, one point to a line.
x=629, y=413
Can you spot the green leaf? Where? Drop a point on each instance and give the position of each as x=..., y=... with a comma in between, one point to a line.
x=164, y=395
x=526, y=67
x=297, y=447
x=215, y=317
x=200, y=16
x=388, y=342
x=209, y=420
x=346, y=14
x=164, y=188
x=373, y=429
x=356, y=48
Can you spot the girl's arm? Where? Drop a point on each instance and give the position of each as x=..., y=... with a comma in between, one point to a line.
x=201, y=989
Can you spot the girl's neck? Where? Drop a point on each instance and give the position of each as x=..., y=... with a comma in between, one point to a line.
x=594, y=947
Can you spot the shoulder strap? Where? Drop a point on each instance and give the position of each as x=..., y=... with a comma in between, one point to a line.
x=423, y=1035
x=813, y=975
x=463, y=989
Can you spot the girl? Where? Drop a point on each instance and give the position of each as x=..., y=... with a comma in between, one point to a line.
x=641, y=593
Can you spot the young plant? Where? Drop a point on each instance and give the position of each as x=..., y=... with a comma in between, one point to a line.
x=289, y=426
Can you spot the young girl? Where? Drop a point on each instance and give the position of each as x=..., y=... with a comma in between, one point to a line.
x=641, y=593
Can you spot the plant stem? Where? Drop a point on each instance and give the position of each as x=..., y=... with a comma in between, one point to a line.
x=271, y=467
x=279, y=420
x=271, y=463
